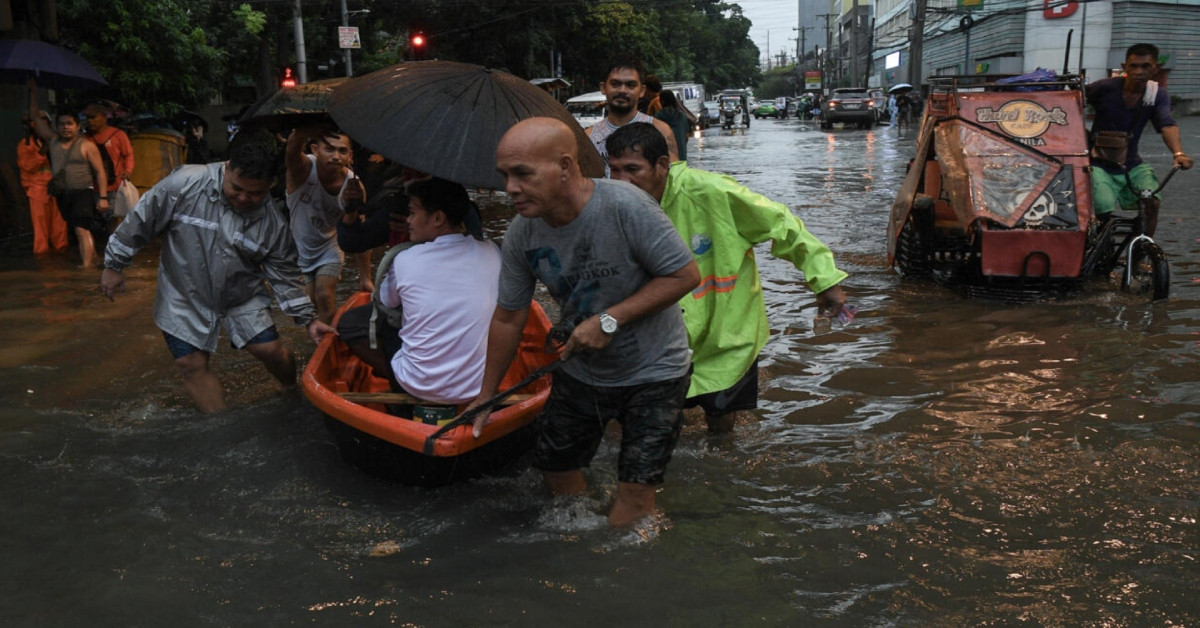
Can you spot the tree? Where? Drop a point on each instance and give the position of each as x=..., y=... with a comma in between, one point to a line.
x=155, y=55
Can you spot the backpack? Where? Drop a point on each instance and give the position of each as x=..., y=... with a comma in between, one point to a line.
x=393, y=316
x=110, y=170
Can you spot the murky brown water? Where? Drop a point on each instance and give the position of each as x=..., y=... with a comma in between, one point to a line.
x=939, y=462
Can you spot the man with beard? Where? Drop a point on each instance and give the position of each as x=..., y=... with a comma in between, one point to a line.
x=623, y=88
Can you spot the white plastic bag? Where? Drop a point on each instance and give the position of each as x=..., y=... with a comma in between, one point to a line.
x=125, y=199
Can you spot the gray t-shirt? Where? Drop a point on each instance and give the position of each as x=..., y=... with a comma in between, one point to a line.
x=619, y=242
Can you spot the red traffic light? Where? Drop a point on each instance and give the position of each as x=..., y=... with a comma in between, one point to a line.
x=288, y=79
x=418, y=40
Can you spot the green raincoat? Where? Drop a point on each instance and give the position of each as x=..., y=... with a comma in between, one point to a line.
x=721, y=221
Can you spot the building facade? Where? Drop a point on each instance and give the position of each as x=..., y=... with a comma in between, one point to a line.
x=1018, y=36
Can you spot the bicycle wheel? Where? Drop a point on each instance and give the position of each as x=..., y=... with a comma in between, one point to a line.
x=1151, y=273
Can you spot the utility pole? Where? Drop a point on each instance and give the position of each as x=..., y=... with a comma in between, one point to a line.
x=828, y=47
x=916, y=44
x=802, y=47
x=346, y=52
x=854, y=43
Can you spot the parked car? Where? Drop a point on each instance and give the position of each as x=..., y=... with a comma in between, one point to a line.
x=709, y=114
x=765, y=109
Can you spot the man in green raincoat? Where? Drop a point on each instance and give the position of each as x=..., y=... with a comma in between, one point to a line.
x=721, y=221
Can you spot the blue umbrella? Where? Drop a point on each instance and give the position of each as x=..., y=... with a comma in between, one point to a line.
x=49, y=65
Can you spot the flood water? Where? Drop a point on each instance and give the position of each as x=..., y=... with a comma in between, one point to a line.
x=941, y=461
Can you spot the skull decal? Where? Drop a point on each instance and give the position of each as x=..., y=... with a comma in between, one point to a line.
x=1042, y=207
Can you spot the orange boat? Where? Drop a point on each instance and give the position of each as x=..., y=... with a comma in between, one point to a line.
x=371, y=438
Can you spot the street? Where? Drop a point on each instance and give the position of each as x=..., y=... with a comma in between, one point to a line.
x=939, y=461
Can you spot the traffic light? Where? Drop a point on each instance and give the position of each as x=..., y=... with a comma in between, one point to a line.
x=288, y=80
x=417, y=45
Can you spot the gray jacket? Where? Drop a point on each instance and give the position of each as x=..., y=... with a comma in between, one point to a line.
x=214, y=259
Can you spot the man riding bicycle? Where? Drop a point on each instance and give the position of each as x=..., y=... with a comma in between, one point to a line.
x=1124, y=104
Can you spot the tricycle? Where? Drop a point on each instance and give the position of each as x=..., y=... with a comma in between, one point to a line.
x=998, y=200
x=733, y=106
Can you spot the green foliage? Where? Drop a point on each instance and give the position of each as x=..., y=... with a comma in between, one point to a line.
x=780, y=81
x=168, y=55
x=254, y=21
x=154, y=55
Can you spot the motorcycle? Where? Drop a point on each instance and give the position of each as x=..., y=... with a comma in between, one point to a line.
x=998, y=202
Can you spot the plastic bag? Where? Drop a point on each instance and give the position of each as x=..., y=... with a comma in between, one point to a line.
x=125, y=198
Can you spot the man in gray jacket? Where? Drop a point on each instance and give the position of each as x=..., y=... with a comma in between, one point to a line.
x=222, y=238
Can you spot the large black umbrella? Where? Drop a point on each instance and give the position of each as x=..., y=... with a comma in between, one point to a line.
x=292, y=106
x=446, y=118
x=50, y=66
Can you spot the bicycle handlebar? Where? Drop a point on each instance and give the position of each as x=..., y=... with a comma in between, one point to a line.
x=1162, y=185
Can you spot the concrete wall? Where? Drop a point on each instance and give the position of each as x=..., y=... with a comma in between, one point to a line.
x=1175, y=28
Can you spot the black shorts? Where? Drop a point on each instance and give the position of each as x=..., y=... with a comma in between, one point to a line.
x=78, y=209
x=571, y=426
x=354, y=327
x=743, y=395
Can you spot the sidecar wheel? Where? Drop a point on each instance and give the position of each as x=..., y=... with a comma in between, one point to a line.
x=913, y=249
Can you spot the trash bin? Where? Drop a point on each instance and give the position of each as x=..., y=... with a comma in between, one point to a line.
x=156, y=152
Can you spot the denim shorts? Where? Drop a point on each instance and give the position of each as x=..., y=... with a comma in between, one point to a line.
x=571, y=426
x=180, y=348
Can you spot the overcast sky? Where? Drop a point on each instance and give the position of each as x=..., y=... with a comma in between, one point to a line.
x=775, y=18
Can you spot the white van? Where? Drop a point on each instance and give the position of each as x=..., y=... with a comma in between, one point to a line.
x=689, y=95
x=588, y=109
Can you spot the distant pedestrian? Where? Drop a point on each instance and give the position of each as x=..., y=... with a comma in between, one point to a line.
x=903, y=110
x=112, y=140
x=78, y=174
x=649, y=103
x=198, y=151
x=679, y=119
x=893, y=109
x=49, y=229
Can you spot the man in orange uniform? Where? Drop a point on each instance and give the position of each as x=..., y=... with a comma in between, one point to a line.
x=49, y=228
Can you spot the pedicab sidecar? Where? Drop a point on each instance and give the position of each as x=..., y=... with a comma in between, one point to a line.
x=998, y=200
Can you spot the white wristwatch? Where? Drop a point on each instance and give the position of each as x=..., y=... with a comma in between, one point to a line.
x=608, y=324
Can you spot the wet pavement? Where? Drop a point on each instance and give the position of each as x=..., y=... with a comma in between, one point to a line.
x=941, y=461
